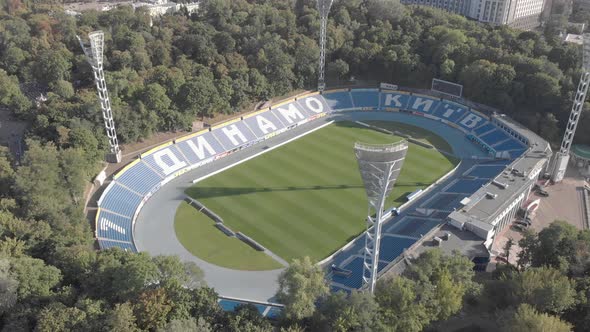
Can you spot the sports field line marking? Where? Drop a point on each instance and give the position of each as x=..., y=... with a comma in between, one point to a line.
x=261, y=152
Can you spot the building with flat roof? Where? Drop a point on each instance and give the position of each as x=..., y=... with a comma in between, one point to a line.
x=493, y=207
x=520, y=14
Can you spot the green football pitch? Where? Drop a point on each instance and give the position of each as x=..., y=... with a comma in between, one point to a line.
x=305, y=198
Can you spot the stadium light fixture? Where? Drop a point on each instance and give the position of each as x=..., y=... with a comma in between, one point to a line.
x=561, y=158
x=94, y=56
x=324, y=10
x=379, y=166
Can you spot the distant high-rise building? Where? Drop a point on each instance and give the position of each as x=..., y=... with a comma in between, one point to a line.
x=520, y=14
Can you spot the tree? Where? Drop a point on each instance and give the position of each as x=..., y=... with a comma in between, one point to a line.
x=152, y=308
x=121, y=319
x=8, y=287
x=11, y=96
x=526, y=319
x=53, y=65
x=58, y=318
x=187, y=325
x=507, y=248
x=35, y=278
x=339, y=312
x=399, y=304
x=300, y=286
x=391, y=10
x=544, y=288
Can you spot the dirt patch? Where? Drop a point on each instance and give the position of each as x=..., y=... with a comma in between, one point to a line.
x=565, y=202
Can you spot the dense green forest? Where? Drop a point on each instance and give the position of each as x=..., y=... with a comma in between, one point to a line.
x=164, y=74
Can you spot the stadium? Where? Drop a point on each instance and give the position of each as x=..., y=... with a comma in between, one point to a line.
x=244, y=197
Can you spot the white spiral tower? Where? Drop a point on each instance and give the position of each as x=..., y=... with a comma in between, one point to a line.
x=94, y=55
x=562, y=158
x=379, y=166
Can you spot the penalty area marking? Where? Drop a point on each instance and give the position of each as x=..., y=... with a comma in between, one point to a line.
x=261, y=152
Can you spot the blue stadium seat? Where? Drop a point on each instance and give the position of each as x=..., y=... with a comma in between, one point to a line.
x=512, y=144
x=414, y=227
x=149, y=159
x=355, y=280
x=393, y=246
x=444, y=202
x=114, y=227
x=423, y=104
x=471, y=120
x=121, y=201
x=368, y=98
x=466, y=186
x=140, y=178
x=227, y=143
x=494, y=137
x=273, y=312
x=338, y=100
x=392, y=99
x=205, y=137
x=450, y=111
x=484, y=129
x=486, y=172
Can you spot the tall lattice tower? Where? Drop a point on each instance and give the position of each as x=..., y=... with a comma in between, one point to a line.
x=379, y=166
x=562, y=158
x=94, y=55
x=324, y=9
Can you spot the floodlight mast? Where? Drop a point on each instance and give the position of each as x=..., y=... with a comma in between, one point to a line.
x=561, y=160
x=324, y=9
x=379, y=166
x=94, y=56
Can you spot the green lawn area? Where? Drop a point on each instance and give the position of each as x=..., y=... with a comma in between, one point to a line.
x=305, y=198
x=198, y=234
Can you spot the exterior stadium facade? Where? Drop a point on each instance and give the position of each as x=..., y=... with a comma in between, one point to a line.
x=492, y=182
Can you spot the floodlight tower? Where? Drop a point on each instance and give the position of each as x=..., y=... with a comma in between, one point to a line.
x=379, y=166
x=324, y=9
x=94, y=56
x=562, y=157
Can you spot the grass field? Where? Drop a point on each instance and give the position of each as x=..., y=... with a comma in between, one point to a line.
x=198, y=234
x=305, y=198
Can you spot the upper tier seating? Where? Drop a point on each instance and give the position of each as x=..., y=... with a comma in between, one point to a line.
x=121, y=201
x=142, y=179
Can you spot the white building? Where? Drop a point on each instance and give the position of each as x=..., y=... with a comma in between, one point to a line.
x=161, y=7
x=521, y=14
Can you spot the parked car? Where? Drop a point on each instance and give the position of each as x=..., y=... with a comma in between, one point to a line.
x=527, y=221
x=521, y=223
x=517, y=227
x=543, y=193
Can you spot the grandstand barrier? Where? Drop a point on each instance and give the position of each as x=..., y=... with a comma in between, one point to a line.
x=202, y=208
x=249, y=241
x=224, y=229
x=415, y=194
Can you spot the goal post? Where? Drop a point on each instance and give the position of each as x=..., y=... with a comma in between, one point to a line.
x=448, y=88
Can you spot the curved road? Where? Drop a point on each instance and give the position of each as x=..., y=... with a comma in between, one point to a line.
x=154, y=227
